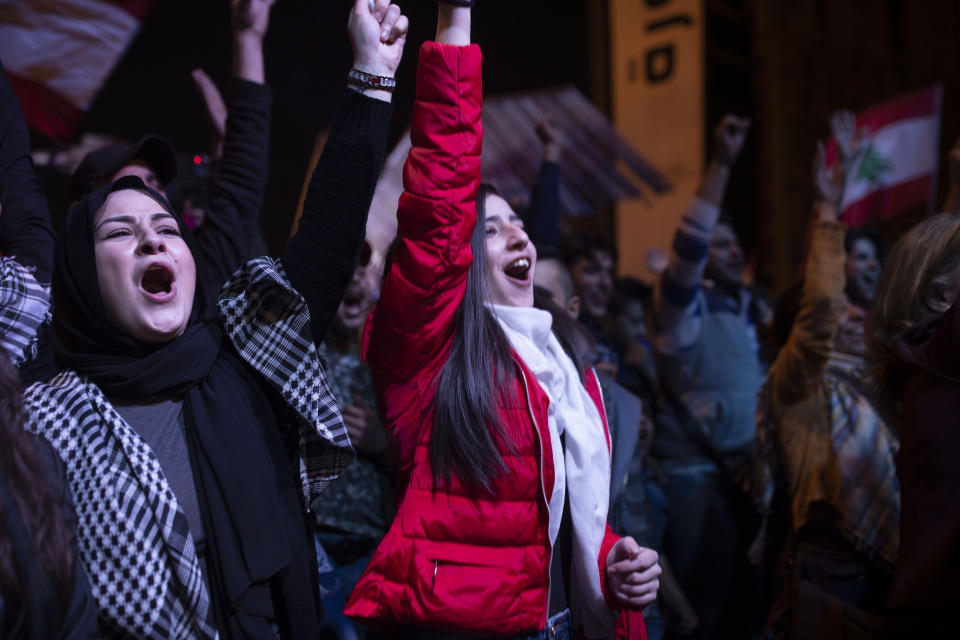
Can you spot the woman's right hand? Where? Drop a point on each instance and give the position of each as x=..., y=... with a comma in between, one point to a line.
x=453, y=24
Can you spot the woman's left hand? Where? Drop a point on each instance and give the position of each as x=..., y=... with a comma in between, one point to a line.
x=378, y=31
x=633, y=574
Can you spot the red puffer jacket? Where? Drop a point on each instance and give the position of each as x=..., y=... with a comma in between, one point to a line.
x=451, y=561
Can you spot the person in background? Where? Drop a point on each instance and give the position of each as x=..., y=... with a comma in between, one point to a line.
x=591, y=261
x=554, y=277
x=236, y=196
x=865, y=251
x=708, y=362
x=638, y=505
x=914, y=345
x=355, y=512
x=639, y=508
x=864, y=260
x=819, y=429
x=631, y=334
x=26, y=246
x=25, y=229
x=44, y=593
x=543, y=215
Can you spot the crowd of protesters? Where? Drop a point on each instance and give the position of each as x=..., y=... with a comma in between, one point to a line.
x=490, y=435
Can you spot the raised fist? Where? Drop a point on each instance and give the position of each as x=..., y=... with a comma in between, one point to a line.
x=728, y=137
x=378, y=31
x=552, y=137
x=251, y=17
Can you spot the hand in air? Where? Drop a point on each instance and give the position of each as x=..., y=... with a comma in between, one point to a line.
x=843, y=124
x=251, y=17
x=216, y=107
x=552, y=137
x=729, y=136
x=378, y=31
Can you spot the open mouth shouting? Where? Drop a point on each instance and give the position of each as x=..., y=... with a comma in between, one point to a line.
x=357, y=300
x=158, y=283
x=519, y=271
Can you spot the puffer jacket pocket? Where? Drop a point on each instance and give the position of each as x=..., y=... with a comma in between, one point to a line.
x=456, y=581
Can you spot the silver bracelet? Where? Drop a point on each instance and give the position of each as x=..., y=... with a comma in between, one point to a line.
x=370, y=81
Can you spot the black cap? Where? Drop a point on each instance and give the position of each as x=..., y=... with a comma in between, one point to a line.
x=98, y=166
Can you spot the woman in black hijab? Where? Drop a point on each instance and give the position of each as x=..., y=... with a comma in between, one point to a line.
x=194, y=437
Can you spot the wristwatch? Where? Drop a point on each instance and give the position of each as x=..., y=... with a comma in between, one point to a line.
x=370, y=81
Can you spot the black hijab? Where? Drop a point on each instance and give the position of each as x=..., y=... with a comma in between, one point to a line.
x=258, y=559
x=87, y=340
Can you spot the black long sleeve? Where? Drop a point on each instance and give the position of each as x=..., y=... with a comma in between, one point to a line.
x=25, y=229
x=236, y=198
x=543, y=217
x=322, y=255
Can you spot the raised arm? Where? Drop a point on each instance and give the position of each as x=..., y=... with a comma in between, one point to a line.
x=803, y=359
x=543, y=217
x=236, y=195
x=414, y=319
x=25, y=229
x=323, y=254
x=675, y=299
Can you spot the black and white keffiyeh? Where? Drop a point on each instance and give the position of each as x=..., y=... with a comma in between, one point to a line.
x=268, y=322
x=133, y=535
x=24, y=309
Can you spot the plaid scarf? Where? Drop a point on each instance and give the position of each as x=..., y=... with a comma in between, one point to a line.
x=865, y=451
x=24, y=309
x=132, y=533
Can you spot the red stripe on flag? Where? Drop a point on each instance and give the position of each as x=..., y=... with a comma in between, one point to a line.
x=44, y=109
x=885, y=203
x=136, y=8
x=919, y=104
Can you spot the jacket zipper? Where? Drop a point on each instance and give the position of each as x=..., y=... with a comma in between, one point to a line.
x=603, y=419
x=543, y=492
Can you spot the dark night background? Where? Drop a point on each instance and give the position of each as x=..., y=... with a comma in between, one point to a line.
x=785, y=64
x=307, y=57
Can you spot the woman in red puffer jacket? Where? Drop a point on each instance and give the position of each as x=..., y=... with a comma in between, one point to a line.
x=503, y=445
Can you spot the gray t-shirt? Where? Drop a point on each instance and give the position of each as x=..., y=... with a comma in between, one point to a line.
x=160, y=424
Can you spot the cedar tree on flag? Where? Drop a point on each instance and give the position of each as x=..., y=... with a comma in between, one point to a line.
x=894, y=165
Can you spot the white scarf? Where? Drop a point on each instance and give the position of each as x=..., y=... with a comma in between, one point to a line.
x=585, y=467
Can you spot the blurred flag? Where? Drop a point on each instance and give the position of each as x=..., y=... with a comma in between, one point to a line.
x=894, y=167
x=58, y=53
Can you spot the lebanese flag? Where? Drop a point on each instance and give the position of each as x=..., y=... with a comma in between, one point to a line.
x=895, y=165
x=58, y=53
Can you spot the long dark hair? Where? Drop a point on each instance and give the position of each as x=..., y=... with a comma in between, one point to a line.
x=467, y=425
x=41, y=510
x=917, y=284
